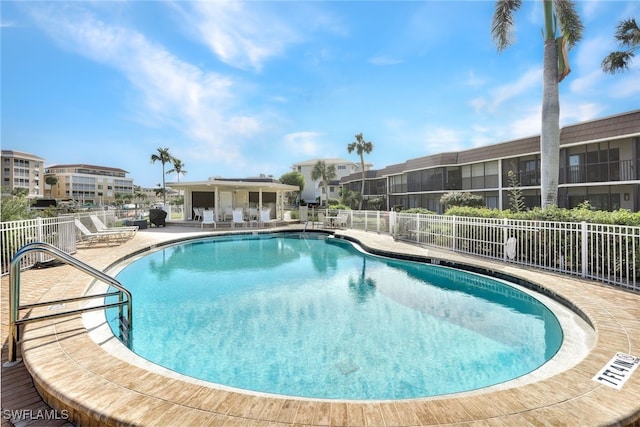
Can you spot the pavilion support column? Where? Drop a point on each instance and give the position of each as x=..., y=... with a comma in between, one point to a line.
x=188, y=204
x=216, y=202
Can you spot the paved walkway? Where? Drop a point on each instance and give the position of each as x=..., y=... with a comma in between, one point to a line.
x=94, y=387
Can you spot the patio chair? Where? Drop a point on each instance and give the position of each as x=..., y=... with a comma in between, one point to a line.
x=130, y=231
x=208, y=219
x=107, y=237
x=228, y=213
x=341, y=220
x=265, y=219
x=238, y=218
x=197, y=214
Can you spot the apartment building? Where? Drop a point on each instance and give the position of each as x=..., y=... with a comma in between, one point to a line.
x=22, y=170
x=599, y=162
x=314, y=190
x=89, y=184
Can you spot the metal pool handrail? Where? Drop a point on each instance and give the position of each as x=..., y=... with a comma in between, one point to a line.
x=124, y=296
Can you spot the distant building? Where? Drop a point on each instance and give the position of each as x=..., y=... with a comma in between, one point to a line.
x=599, y=163
x=89, y=184
x=314, y=190
x=22, y=170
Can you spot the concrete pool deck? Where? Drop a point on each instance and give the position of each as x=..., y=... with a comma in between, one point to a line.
x=73, y=373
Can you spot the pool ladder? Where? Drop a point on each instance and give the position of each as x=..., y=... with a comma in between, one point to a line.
x=124, y=296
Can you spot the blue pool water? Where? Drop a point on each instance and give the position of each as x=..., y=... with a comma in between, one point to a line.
x=312, y=316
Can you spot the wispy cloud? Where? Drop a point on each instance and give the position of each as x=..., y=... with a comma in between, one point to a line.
x=441, y=139
x=503, y=93
x=170, y=90
x=243, y=35
x=303, y=143
x=384, y=60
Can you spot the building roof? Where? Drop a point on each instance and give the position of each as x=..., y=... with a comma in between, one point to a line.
x=86, y=166
x=620, y=125
x=22, y=154
x=329, y=161
x=248, y=184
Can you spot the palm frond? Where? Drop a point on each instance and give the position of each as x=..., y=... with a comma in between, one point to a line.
x=570, y=24
x=628, y=33
x=503, y=22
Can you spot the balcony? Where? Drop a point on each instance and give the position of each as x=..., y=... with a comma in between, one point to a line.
x=622, y=170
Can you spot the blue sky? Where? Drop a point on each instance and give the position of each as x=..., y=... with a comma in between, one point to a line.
x=242, y=89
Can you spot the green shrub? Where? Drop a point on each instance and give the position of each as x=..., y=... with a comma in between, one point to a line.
x=457, y=198
x=580, y=213
x=419, y=211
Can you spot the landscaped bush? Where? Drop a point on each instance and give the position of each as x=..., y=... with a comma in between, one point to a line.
x=457, y=198
x=577, y=214
x=419, y=211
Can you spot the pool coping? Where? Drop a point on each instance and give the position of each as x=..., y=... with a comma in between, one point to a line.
x=73, y=373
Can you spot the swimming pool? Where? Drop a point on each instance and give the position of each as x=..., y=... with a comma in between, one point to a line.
x=311, y=316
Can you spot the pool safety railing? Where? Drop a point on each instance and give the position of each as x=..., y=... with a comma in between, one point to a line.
x=15, y=321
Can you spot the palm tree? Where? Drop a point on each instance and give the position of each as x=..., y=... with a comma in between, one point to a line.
x=163, y=157
x=51, y=180
x=178, y=168
x=560, y=13
x=326, y=173
x=628, y=35
x=361, y=147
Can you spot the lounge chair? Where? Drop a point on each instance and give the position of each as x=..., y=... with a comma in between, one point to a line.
x=107, y=237
x=228, y=213
x=102, y=228
x=265, y=219
x=197, y=214
x=208, y=219
x=238, y=219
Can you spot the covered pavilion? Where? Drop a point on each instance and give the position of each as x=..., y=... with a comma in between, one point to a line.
x=223, y=195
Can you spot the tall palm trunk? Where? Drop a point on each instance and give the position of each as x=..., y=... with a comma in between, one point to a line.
x=550, y=130
x=550, y=134
x=363, y=177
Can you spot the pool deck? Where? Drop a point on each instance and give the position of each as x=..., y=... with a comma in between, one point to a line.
x=73, y=373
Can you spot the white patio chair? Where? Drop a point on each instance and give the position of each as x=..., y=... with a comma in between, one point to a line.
x=228, y=213
x=208, y=218
x=99, y=237
x=341, y=220
x=197, y=214
x=265, y=219
x=238, y=218
x=130, y=231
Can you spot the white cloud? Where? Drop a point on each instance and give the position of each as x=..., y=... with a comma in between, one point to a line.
x=171, y=91
x=501, y=94
x=441, y=139
x=571, y=113
x=243, y=35
x=303, y=143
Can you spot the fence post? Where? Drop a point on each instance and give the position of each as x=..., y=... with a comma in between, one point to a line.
x=392, y=222
x=585, y=249
x=40, y=236
x=505, y=236
x=454, y=234
x=378, y=221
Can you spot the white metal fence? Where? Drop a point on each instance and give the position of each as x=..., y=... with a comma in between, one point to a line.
x=59, y=231
x=606, y=253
